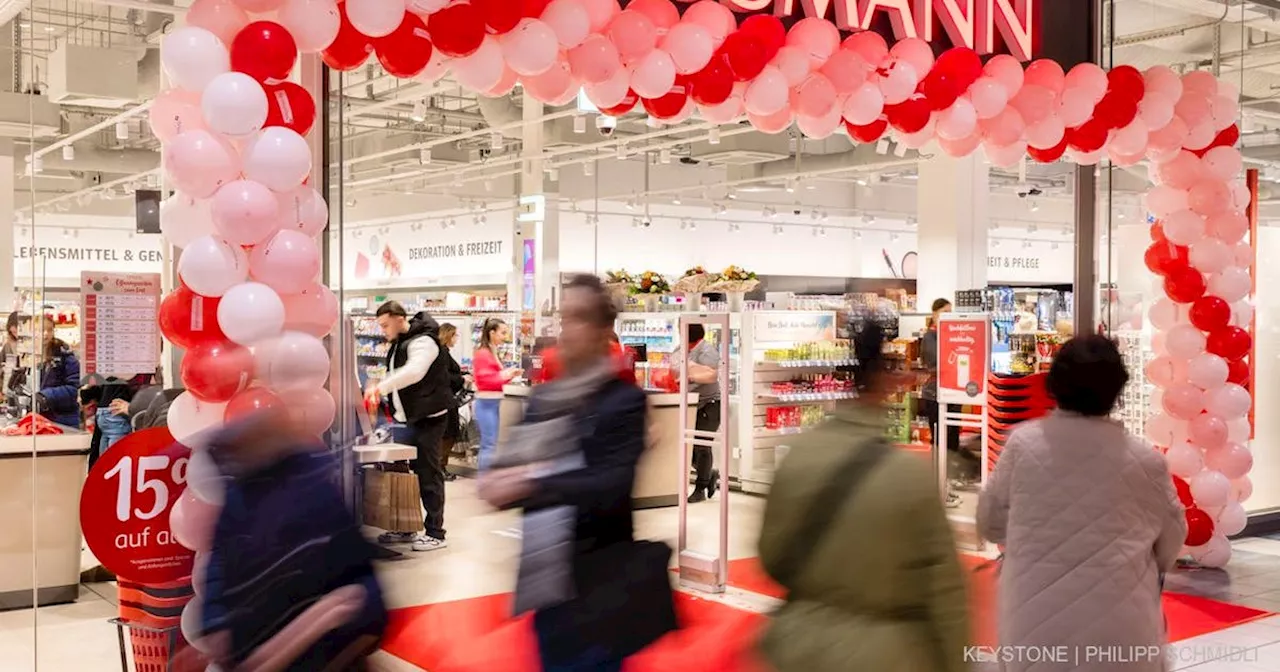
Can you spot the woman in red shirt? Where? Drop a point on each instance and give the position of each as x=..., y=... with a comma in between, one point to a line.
x=490, y=377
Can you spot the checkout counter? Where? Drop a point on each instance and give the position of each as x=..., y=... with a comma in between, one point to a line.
x=658, y=481
x=40, y=480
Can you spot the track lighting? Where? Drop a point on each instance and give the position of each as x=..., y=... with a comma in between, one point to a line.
x=713, y=136
x=911, y=221
x=68, y=153
x=631, y=203
x=122, y=130
x=495, y=141
x=675, y=200
x=424, y=156
x=419, y=113
x=579, y=124
x=777, y=229
x=869, y=218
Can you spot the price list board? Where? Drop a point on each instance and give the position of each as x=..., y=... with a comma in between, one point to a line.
x=121, y=336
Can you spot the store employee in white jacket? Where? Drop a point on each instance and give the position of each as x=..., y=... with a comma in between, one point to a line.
x=417, y=389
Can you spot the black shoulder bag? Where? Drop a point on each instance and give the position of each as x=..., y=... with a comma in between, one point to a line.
x=822, y=510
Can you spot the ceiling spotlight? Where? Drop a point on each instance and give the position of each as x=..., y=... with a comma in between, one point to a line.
x=1026, y=244
x=693, y=226
x=912, y=221
x=995, y=243
x=893, y=237
x=721, y=210
x=732, y=195
x=1120, y=215
x=631, y=203
x=869, y=218
x=882, y=147
x=444, y=224
x=821, y=231
x=664, y=156
x=713, y=135
x=1053, y=246
x=791, y=186
x=734, y=227
x=122, y=130
x=589, y=169
x=351, y=202
x=68, y=153
x=1032, y=228
x=424, y=156
x=484, y=219
x=777, y=229
x=675, y=200
x=495, y=141
x=814, y=215
x=635, y=222
x=66, y=233
x=1035, y=207
x=861, y=181
x=579, y=124
x=857, y=235
x=419, y=113
x=824, y=216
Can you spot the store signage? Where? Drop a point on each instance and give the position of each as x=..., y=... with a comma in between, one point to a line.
x=791, y=327
x=76, y=253
x=532, y=208
x=405, y=255
x=125, y=506
x=120, y=335
x=472, y=249
x=986, y=26
x=1001, y=261
x=56, y=259
x=964, y=356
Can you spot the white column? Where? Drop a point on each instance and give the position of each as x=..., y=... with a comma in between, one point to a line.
x=951, y=205
x=544, y=231
x=7, y=228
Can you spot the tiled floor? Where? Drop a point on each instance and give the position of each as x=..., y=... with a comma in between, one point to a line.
x=480, y=561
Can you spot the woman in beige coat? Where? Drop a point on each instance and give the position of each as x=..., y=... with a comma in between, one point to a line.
x=1089, y=519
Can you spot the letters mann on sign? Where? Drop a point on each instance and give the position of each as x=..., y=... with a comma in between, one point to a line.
x=986, y=26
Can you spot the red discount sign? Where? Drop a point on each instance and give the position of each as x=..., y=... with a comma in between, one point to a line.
x=964, y=354
x=125, y=505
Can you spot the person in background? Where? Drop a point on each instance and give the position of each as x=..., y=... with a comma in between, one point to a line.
x=59, y=392
x=290, y=584
x=929, y=393
x=843, y=493
x=1088, y=518
x=9, y=350
x=449, y=339
x=704, y=366
x=551, y=368
x=490, y=377
x=591, y=425
x=417, y=388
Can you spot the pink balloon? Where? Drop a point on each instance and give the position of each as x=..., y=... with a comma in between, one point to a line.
x=958, y=121
x=313, y=23
x=1210, y=489
x=725, y=112
x=312, y=311
x=1229, y=401
x=1230, y=284
x=1210, y=255
x=1156, y=109
x=1089, y=79
x=1242, y=253
x=794, y=64
x=816, y=96
x=192, y=521
x=531, y=48
x=600, y=12
x=291, y=361
x=1161, y=371
x=1004, y=129
x=819, y=128
x=313, y=410
x=1163, y=200
x=595, y=61
x=1184, y=341
x=436, y=69
x=506, y=84
x=1193, y=108
x=1167, y=142
x=199, y=162
x=288, y=263
x=1132, y=139
x=175, y=111
x=1224, y=111
x=768, y=94
x=246, y=213
x=1045, y=73
x=1223, y=163
x=915, y=52
x=898, y=83
x=634, y=34
x=1006, y=70
x=1181, y=172
x=1185, y=460
x=1184, y=228
x=1045, y=134
x=1163, y=79
x=1164, y=430
x=653, y=75
x=1200, y=82
x=1183, y=400
x=988, y=97
x=1229, y=227
x=690, y=46
x=553, y=84
x=846, y=69
x=871, y=47
x=220, y=17
x=1035, y=103
x=961, y=147
x=715, y=17
x=1241, y=489
x=610, y=92
x=569, y=20
x=278, y=158
x=772, y=123
x=662, y=13
x=1207, y=371
x=1209, y=198
x=304, y=210
x=1208, y=431
x=864, y=105
x=482, y=70
x=1005, y=156
x=1201, y=135
x=373, y=18
x=1240, y=195
x=818, y=38
x=1075, y=106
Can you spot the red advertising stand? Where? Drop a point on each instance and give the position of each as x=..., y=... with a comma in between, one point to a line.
x=124, y=514
x=964, y=358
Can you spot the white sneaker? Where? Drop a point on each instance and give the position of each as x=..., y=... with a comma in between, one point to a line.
x=396, y=537
x=422, y=543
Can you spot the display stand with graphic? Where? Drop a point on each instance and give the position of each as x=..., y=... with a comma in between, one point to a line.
x=964, y=358
x=121, y=336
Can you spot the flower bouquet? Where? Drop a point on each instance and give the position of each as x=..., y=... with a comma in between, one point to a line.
x=734, y=279
x=650, y=282
x=619, y=283
x=694, y=281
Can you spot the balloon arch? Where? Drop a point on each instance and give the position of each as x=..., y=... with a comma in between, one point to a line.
x=232, y=131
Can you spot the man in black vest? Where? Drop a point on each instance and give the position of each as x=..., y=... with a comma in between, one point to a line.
x=417, y=389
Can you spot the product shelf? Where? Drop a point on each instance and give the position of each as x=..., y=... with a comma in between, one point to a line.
x=803, y=364
x=814, y=397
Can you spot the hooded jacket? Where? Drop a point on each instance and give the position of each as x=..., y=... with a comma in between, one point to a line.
x=431, y=395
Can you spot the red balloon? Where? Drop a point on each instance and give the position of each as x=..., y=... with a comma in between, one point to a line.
x=1183, y=490
x=1238, y=372
x=534, y=8
x=1184, y=284
x=769, y=29
x=264, y=50
x=1126, y=81
x=940, y=90
x=1048, y=155
x=1164, y=258
x=1157, y=233
x=188, y=319
x=1229, y=343
x=457, y=30
x=628, y=103
x=746, y=53
x=251, y=401
x=669, y=105
x=909, y=116
x=501, y=16
x=960, y=64
x=869, y=133
x=713, y=84
x=1209, y=313
x=216, y=371
x=406, y=51
x=1199, y=527
x=1088, y=137
x=289, y=105
x=1228, y=137
x=350, y=49
x=1115, y=111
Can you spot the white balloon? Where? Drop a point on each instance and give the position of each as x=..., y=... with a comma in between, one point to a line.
x=250, y=312
x=1210, y=489
x=313, y=23
x=188, y=416
x=1210, y=255
x=1238, y=430
x=204, y=478
x=210, y=266
x=1207, y=371
x=1228, y=401
x=375, y=18
x=192, y=57
x=1163, y=314
x=1243, y=254
x=1216, y=553
x=1230, y=284
x=304, y=209
x=292, y=361
x=278, y=158
x=183, y=219
x=234, y=105
x=192, y=624
x=1185, y=460
x=1233, y=520
x=1242, y=313
x=1184, y=341
x=1165, y=430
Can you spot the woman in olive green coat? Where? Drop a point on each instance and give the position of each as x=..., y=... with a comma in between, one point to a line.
x=879, y=588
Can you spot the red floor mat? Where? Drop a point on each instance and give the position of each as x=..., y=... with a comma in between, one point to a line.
x=477, y=636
